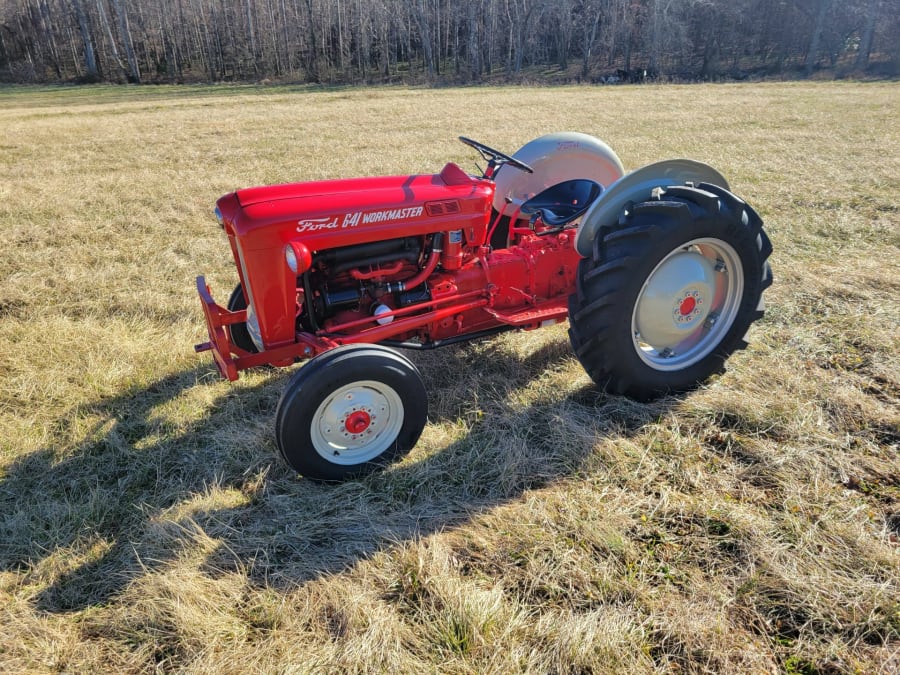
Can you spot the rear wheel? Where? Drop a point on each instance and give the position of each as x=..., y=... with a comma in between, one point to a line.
x=350, y=411
x=670, y=291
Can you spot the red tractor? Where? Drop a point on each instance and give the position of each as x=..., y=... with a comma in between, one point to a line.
x=660, y=273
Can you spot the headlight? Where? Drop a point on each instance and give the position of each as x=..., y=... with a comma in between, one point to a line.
x=297, y=257
x=219, y=218
x=290, y=257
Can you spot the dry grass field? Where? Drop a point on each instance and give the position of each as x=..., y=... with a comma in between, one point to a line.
x=752, y=526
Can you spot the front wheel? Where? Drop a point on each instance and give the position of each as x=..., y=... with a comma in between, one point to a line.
x=350, y=411
x=669, y=293
x=240, y=335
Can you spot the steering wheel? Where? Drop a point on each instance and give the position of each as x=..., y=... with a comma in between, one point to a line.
x=495, y=157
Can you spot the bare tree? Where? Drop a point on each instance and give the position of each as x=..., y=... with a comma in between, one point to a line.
x=472, y=26
x=821, y=12
x=423, y=24
x=134, y=71
x=871, y=16
x=591, y=15
x=90, y=60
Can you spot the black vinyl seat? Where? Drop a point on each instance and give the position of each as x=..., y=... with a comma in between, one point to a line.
x=562, y=203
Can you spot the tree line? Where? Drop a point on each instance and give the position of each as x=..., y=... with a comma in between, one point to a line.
x=353, y=41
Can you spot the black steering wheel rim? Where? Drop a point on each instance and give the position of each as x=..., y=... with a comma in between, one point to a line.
x=495, y=156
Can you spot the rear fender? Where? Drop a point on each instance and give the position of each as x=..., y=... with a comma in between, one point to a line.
x=637, y=186
x=556, y=158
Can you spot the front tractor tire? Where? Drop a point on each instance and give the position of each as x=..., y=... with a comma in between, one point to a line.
x=350, y=411
x=670, y=291
x=240, y=336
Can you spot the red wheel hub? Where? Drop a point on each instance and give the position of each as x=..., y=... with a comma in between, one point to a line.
x=687, y=305
x=357, y=422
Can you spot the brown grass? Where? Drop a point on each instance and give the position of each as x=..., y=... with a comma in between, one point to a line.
x=540, y=525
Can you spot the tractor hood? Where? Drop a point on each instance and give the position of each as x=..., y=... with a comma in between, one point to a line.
x=323, y=189
x=332, y=213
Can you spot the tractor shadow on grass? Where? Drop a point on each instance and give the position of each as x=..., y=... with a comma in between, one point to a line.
x=132, y=497
x=81, y=511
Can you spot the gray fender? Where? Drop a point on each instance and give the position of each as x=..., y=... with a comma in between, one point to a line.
x=637, y=187
x=555, y=158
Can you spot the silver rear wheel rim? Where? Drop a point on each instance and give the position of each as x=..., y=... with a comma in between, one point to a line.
x=375, y=405
x=687, y=304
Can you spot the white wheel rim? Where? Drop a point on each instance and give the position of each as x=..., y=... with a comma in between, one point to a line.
x=687, y=304
x=357, y=422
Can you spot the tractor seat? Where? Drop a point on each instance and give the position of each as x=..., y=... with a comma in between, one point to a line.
x=562, y=203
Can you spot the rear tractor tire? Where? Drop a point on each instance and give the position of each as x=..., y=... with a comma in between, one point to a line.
x=350, y=411
x=670, y=291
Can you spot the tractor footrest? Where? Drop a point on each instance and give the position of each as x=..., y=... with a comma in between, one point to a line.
x=532, y=316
